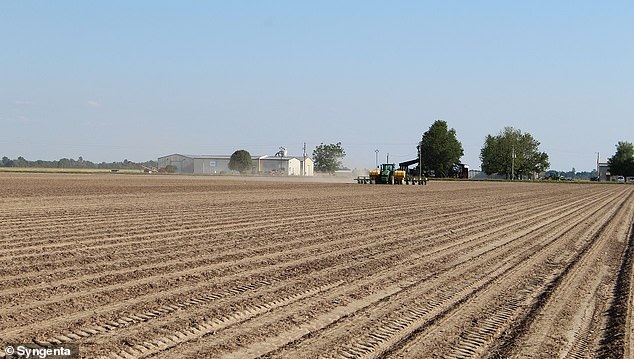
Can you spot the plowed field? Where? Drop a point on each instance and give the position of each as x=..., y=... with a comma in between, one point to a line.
x=199, y=267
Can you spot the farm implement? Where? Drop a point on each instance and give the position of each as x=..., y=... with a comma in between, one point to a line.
x=388, y=174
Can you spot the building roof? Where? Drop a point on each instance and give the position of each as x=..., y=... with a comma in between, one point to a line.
x=253, y=157
x=267, y=157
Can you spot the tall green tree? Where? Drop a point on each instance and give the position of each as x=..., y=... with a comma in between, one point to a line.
x=328, y=158
x=622, y=163
x=440, y=148
x=240, y=161
x=511, y=150
x=21, y=162
x=6, y=162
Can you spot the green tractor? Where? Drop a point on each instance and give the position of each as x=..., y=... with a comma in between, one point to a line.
x=387, y=174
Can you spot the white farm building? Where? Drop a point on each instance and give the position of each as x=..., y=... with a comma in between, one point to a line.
x=219, y=164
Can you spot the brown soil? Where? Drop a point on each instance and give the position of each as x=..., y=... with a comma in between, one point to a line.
x=203, y=267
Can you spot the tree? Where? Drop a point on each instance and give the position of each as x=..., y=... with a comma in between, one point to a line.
x=440, y=148
x=6, y=162
x=327, y=158
x=513, y=154
x=20, y=162
x=63, y=163
x=240, y=161
x=622, y=163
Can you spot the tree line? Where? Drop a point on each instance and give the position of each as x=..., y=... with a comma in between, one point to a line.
x=79, y=163
x=511, y=153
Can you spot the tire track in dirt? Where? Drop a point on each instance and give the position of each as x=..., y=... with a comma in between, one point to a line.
x=20, y=279
x=398, y=324
x=122, y=322
x=376, y=228
x=40, y=272
x=491, y=325
x=357, y=262
x=126, y=240
x=210, y=327
x=276, y=249
x=474, y=341
x=310, y=324
x=592, y=250
x=216, y=240
x=354, y=305
x=117, y=240
x=231, y=213
x=629, y=324
x=315, y=259
x=614, y=342
x=578, y=302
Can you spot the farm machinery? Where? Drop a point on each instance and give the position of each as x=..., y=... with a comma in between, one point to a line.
x=387, y=173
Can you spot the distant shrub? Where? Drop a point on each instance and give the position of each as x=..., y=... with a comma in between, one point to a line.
x=171, y=169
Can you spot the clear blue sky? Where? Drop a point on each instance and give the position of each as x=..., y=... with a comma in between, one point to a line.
x=109, y=80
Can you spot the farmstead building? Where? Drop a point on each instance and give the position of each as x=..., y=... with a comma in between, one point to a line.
x=219, y=164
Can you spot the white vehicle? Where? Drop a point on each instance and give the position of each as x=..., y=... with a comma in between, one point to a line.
x=620, y=179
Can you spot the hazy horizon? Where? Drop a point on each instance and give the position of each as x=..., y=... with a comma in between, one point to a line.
x=114, y=80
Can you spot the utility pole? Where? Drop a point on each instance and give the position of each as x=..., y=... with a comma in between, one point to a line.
x=420, y=161
x=304, y=161
x=513, y=164
x=598, y=173
x=376, y=160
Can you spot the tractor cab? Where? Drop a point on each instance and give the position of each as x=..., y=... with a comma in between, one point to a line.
x=386, y=173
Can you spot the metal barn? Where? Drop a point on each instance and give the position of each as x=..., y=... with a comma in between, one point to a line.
x=219, y=164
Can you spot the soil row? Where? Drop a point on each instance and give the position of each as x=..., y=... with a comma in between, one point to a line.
x=189, y=267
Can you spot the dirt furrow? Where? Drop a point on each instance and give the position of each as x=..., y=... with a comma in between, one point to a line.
x=107, y=266
x=137, y=297
x=295, y=353
x=421, y=311
x=528, y=296
x=217, y=242
x=199, y=267
x=545, y=213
